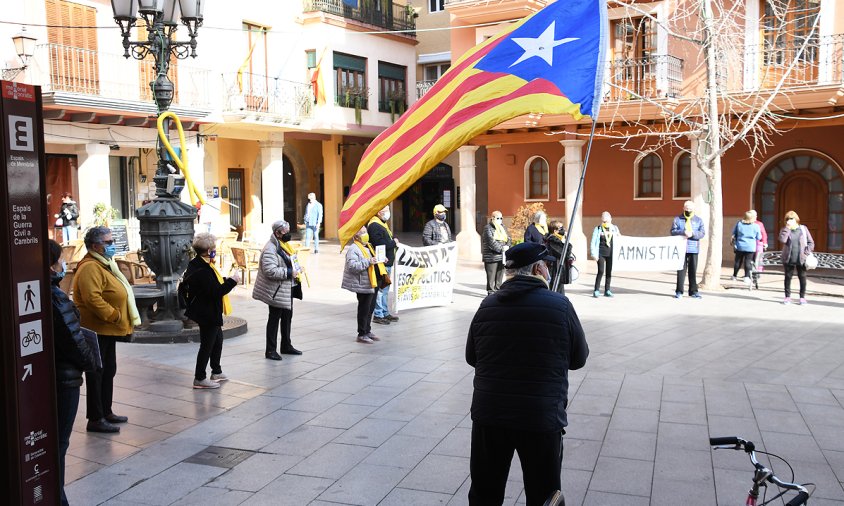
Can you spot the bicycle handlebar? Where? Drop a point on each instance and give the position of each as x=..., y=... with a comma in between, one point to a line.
x=724, y=441
x=801, y=498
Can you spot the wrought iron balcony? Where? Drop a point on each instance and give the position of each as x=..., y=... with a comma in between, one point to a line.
x=75, y=70
x=391, y=17
x=422, y=88
x=288, y=101
x=656, y=76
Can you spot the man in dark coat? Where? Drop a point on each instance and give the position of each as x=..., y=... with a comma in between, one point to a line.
x=381, y=235
x=522, y=342
x=437, y=230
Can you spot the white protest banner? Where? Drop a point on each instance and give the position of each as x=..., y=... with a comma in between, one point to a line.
x=424, y=277
x=649, y=253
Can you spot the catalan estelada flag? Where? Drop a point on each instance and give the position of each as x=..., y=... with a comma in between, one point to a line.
x=548, y=63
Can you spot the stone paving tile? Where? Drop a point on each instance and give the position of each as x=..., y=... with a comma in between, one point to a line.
x=820, y=414
x=772, y=400
x=215, y=496
x=681, y=412
x=781, y=421
x=438, y=473
x=640, y=420
x=793, y=446
x=639, y=399
x=290, y=490
x=370, y=432
x=317, y=402
x=575, y=485
x=348, y=384
x=809, y=395
x=637, y=476
x=580, y=454
x=342, y=416
x=591, y=405
x=587, y=426
x=407, y=497
x=430, y=424
x=687, y=466
x=828, y=437
x=365, y=484
x=689, y=493
x=456, y=444
x=594, y=498
x=168, y=487
x=402, y=451
x=682, y=392
x=373, y=396
x=629, y=445
x=331, y=461
x=255, y=473
x=303, y=440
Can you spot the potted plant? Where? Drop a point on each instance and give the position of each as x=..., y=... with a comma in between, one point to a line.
x=103, y=214
x=398, y=102
x=355, y=96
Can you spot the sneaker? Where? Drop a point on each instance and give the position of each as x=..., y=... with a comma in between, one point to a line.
x=219, y=377
x=364, y=340
x=392, y=318
x=205, y=383
x=786, y=300
x=749, y=283
x=373, y=336
x=608, y=294
x=695, y=296
x=678, y=295
x=732, y=278
x=803, y=301
x=381, y=321
x=596, y=294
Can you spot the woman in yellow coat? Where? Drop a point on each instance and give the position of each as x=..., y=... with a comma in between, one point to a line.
x=106, y=306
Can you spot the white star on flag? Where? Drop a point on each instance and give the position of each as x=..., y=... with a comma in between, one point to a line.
x=542, y=46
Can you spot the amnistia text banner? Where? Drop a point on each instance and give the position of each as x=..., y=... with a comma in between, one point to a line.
x=649, y=253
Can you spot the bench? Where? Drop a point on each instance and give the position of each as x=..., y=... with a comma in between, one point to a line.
x=825, y=260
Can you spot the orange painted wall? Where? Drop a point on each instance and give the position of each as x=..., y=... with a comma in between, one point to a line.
x=506, y=176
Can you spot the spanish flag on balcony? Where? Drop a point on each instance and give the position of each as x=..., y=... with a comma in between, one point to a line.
x=548, y=63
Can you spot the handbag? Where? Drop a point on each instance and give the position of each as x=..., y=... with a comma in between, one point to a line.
x=384, y=281
x=296, y=291
x=811, y=261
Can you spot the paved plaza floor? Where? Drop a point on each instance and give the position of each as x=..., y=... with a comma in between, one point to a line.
x=389, y=424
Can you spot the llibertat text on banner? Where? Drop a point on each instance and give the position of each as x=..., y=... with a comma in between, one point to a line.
x=424, y=277
x=649, y=253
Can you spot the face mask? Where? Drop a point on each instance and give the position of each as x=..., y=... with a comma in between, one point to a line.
x=364, y=238
x=687, y=213
x=212, y=255
x=440, y=216
x=61, y=274
x=546, y=276
x=498, y=220
x=385, y=215
x=110, y=250
x=286, y=237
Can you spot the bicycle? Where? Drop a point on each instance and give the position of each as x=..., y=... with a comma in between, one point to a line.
x=762, y=474
x=30, y=337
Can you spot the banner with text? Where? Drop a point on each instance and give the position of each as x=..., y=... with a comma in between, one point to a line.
x=424, y=277
x=649, y=253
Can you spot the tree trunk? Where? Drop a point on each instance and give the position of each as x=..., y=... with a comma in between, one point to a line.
x=711, y=143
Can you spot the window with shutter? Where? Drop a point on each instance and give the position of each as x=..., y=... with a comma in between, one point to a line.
x=72, y=40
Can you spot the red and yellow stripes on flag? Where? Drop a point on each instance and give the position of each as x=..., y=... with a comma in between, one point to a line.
x=463, y=103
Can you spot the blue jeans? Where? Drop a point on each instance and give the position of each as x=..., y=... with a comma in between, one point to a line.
x=69, y=233
x=382, y=308
x=312, y=231
x=67, y=403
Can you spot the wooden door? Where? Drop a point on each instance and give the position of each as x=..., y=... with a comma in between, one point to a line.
x=236, y=199
x=805, y=193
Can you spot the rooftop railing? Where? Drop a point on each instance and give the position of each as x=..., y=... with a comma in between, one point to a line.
x=390, y=17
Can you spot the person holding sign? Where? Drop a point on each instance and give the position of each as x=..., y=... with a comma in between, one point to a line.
x=691, y=226
x=205, y=292
x=495, y=242
x=66, y=218
x=277, y=283
x=437, y=230
x=72, y=356
x=362, y=275
x=107, y=306
x=601, y=249
x=381, y=235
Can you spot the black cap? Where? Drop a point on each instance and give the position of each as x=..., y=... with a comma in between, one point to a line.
x=524, y=254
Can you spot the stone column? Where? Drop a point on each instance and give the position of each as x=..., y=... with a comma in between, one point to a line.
x=272, y=179
x=94, y=181
x=333, y=175
x=468, y=239
x=572, y=170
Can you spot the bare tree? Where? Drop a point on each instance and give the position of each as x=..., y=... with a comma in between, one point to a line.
x=732, y=106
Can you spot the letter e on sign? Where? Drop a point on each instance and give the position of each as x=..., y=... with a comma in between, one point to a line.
x=20, y=133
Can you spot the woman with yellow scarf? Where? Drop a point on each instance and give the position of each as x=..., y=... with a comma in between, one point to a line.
x=494, y=242
x=205, y=293
x=362, y=274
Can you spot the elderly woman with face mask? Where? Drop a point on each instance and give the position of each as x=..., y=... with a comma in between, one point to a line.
x=276, y=284
x=601, y=249
x=537, y=231
x=361, y=274
x=494, y=242
x=107, y=306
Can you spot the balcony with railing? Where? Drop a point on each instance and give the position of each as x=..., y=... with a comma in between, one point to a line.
x=99, y=75
x=422, y=88
x=763, y=67
x=390, y=16
x=272, y=98
x=653, y=77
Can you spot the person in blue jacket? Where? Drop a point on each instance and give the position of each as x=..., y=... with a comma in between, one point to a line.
x=746, y=233
x=691, y=226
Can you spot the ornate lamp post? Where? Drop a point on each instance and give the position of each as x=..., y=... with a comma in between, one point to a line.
x=166, y=222
x=24, y=48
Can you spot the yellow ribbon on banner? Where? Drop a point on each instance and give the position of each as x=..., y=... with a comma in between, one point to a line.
x=181, y=162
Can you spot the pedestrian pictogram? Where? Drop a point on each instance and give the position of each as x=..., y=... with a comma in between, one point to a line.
x=29, y=297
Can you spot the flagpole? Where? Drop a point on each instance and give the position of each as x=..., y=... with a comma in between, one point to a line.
x=561, y=264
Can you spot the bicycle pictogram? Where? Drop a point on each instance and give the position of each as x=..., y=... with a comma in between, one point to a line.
x=31, y=337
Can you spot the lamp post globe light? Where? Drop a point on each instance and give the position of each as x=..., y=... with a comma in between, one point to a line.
x=166, y=223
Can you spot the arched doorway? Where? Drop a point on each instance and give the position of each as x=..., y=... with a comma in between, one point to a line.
x=290, y=208
x=810, y=184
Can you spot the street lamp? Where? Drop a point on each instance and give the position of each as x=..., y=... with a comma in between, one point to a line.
x=166, y=222
x=24, y=48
